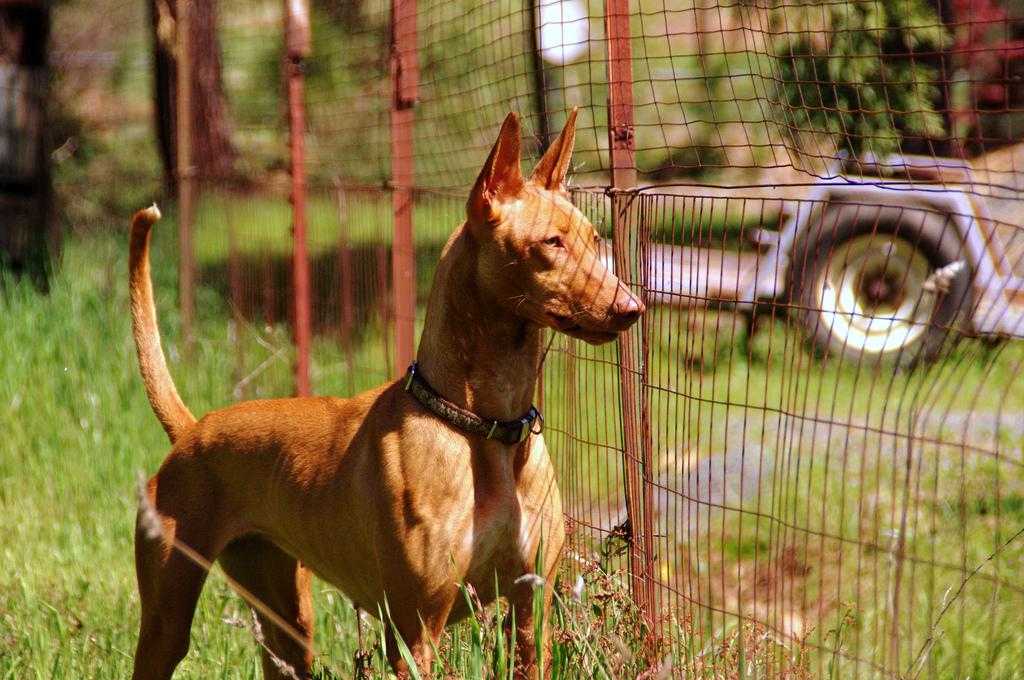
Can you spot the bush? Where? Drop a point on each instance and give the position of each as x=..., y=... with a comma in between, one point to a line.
x=853, y=71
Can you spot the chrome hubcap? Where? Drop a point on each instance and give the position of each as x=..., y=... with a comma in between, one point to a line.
x=871, y=295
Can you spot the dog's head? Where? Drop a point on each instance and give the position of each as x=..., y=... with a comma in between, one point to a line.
x=539, y=257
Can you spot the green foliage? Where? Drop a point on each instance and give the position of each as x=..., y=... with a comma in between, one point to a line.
x=849, y=69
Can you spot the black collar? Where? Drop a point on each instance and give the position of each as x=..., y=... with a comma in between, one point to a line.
x=505, y=431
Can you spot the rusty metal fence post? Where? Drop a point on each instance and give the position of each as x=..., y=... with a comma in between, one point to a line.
x=405, y=81
x=628, y=253
x=297, y=47
x=186, y=173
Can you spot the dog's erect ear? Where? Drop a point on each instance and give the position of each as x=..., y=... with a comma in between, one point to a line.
x=554, y=166
x=501, y=176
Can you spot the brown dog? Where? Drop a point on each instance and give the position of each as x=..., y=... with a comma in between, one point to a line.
x=387, y=495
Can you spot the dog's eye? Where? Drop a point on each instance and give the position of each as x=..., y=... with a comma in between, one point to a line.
x=554, y=241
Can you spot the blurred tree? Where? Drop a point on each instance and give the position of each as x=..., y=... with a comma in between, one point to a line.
x=213, y=153
x=347, y=13
x=852, y=70
x=27, y=229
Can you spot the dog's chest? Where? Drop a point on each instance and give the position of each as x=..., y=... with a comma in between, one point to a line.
x=479, y=525
x=467, y=515
x=495, y=542
x=478, y=522
x=511, y=515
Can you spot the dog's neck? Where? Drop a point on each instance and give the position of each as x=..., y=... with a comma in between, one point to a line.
x=473, y=351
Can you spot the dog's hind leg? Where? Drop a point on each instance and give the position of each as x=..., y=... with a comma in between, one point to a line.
x=169, y=587
x=168, y=604
x=177, y=536
x=280, y=582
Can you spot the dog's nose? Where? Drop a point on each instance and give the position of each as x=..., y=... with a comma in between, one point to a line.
x=627, y=309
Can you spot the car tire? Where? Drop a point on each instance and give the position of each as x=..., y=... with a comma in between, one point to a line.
x=862, y=279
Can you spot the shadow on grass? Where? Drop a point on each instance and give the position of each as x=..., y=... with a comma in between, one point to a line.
x=351, y=287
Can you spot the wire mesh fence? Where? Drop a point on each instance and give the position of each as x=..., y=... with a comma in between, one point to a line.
x=814, y=436
x=833, y=501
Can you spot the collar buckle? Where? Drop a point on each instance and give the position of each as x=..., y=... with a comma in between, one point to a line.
x=526, y=424
x=524, y=430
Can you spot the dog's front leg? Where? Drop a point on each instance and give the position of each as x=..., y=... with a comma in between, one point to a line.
x=420, y=629
x=528, y=665
x=418, y=641
x=422, y=654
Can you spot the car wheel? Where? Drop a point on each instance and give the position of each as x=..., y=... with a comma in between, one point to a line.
x=879, y=283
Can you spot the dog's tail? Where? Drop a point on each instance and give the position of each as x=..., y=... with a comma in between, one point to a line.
x=163, y=395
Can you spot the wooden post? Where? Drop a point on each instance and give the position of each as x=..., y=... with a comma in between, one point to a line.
x=186, y=173
x=627, y=252
x=404, y=79
x=297, y=41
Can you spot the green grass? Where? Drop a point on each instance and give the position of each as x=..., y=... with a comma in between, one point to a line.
x=77, y=428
